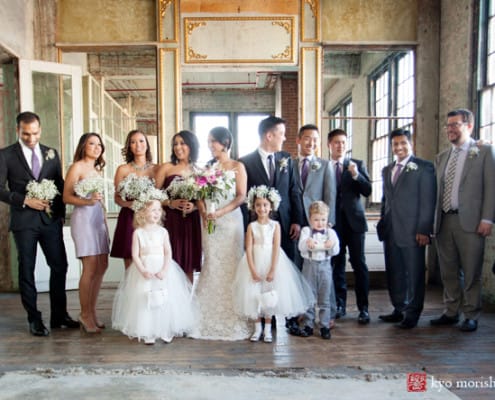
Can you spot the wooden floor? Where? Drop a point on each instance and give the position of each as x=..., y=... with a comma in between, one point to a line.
x=443, y=353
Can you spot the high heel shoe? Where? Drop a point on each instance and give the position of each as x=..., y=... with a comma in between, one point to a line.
x=85, y=328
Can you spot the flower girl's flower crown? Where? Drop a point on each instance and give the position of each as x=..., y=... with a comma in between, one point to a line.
x=264, y=192
x=145, y=197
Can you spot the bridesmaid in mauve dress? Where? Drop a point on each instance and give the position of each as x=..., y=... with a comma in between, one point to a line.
x=88, y=225
x=137, y=155
x=181, y=215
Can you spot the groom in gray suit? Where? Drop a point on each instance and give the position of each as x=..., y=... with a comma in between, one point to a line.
x=405, y=227
x=463, y=219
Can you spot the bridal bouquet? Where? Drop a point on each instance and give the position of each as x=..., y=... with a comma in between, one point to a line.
x=87, y=186
x=213, y=184
x=44, y=190
x=132, y=186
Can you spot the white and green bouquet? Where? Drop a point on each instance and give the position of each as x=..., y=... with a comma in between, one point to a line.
x=152, y=193
x=132, y=186
x=93, y=184
x=44, y=190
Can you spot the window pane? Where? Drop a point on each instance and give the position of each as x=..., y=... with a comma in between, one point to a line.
x=247, y=133
x=202, y=125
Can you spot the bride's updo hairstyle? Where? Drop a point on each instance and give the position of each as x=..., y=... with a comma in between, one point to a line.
x=223, y=136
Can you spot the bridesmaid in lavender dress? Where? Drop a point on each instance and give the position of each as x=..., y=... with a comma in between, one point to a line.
x=137, y=155
x=182, y=217
x=88, y=224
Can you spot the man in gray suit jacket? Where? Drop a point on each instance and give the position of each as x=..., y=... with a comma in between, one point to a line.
x=313, y=174
x=405, y=227
x=463, y=219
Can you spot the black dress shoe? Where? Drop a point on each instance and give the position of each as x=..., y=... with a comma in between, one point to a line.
x=340, y=312
x=407, y=324
x=364, y=317
x=396, y=316
x=469, y=325
x=66, y=322
x=325, y=333
x=444, y=320
x=37, y=328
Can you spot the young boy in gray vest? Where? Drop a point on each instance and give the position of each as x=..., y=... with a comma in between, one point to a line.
x=317, y=244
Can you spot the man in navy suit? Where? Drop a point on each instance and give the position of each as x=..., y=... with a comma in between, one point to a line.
x=352, y=182
x=405, y=226
x=24, y=161
x=270, y=166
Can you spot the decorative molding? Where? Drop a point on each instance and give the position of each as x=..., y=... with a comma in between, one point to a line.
x=241, y=40
x=163, y=6
x=309, y=84
x=168, y=128
x=168, y=21
x=193, y=25
x=310, y=12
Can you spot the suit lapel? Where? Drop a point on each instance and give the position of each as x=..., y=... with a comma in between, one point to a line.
x=22, y=159
x=468, y=163
x=260, y=168
x=298, y=174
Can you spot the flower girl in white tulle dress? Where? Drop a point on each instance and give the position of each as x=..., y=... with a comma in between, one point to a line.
x=267, y=282
x=153, y=300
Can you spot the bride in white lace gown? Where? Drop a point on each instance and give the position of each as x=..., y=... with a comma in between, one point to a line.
x=222, y=250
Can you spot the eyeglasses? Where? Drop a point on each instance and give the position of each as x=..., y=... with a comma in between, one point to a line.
x=454, y=125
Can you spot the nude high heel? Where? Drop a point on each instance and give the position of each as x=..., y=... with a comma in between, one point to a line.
x=85, y=328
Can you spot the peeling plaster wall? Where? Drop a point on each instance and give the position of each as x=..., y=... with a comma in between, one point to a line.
x=368, y=21
x=16, y=27
x=105, y=21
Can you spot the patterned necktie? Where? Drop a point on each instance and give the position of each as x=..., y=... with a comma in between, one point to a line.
x=338, y=173
x=35, y=164
x=304, y=171
x=271, y=169
x=396, y=174
x=449, y=181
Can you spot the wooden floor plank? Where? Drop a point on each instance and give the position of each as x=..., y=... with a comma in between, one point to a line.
x=443, y=353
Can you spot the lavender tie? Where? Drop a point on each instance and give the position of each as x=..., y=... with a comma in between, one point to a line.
x=35, y=164
x=304, y=172
x=338, y=173
x=396, y=174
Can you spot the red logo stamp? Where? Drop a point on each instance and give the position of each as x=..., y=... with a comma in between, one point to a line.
x=416, y=382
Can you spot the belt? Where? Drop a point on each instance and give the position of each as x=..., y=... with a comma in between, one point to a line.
x=451, y=212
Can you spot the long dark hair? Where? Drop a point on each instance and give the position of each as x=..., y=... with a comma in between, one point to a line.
x=192, y=142
x=79, y=154
x=126, y=150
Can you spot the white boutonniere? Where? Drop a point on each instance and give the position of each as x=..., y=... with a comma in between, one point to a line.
x=283, y=164
x=411, y=166
x=473, y=151
x=315, y=165
x=50, y=154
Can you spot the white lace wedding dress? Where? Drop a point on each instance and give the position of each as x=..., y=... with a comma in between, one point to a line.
x=222, y=250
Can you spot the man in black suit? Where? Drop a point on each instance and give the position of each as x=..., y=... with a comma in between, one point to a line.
x=352, y=183
x=270, y=166
x=20, y=163
x=405, y=226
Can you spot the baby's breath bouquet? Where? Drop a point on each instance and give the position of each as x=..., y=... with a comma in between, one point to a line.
x=133, y=185
x=152, y=193
x=93, y=184
x=44, y=190
x=213, y=184
x=183, y=187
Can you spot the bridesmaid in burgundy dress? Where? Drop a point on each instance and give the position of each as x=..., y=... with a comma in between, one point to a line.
x=182, y=217
x=137, y=155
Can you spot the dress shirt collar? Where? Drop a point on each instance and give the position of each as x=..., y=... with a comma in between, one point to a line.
x=404, y=161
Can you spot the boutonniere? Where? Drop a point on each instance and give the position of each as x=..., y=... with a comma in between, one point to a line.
x=315, y=165
x=411, y=166
x=473, y=151
x=283, y=163
x=50, y=154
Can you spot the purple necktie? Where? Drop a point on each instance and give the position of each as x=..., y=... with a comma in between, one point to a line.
x=396, y=174
x=35, y=164
x=338, y=173
x=304, y=172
